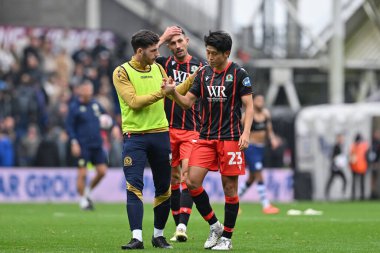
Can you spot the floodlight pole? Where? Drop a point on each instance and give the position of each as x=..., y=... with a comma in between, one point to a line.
x=93, y=14
x=225, y=22
x=336, y=77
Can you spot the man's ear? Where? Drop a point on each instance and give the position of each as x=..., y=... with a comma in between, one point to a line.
x=139, y=51
x=227, y=53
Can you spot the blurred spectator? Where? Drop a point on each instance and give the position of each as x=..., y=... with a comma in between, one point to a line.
x=65, y=65
x=92, y=75
x=32, y=68
x=26, y=105
x=67, y=42
x=358, y=164
x=7, y=59
x=32, y=50
x=6, y=100
x=62, y=143
x=28, y=147
x=49, y=64
x=8, y=126
x=374, y=161
x=6, y=147
x=81, y=53
x=338, y=162
x=103, y=96
x=78, y=75
x=53, y=88
x=116, y=147
x=59, y=110
x=98, y=49
x=47, y=154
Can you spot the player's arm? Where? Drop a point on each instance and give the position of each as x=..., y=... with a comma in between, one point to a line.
x=245, y=90
x=242, y=118
x=128, y=94
x=69, y=123
x=247, y=102
x=272, y=137
x=186, y=101
x=70, y=128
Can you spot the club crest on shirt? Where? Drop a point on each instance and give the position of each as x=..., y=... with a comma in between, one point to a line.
x=206, y=78
x=173, y=62
x=229, y=78
x=127, y=161
x=96, y=109
x=82, y=108
x=81, y=162
x=193, y=68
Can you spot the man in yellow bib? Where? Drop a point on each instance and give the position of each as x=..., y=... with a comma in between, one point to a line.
x=146, y=137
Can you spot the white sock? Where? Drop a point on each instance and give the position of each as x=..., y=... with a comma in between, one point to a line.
x=87, y=192
x=181, y=226
x=215, y=225
x=263, y=196
x=158, y=232
x=137, y=234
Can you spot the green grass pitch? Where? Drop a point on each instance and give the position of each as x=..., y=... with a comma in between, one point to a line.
x=343, y=227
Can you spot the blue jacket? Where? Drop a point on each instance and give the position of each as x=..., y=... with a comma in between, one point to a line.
x=82, y=123
x=6, y=152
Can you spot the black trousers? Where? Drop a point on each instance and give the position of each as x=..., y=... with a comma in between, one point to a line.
x=333, y=175
x=356, y=177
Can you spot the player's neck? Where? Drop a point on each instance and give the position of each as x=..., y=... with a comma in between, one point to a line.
x=139, y=62
x=186, y=58
x=222, y=66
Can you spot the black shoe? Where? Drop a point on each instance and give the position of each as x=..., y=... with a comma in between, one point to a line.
x=133, y=244
x=160, y=242
x=90, y=206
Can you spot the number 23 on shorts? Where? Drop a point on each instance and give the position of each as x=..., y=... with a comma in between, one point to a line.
x=233, y=161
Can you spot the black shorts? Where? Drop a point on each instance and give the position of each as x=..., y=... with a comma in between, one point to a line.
x=94, y=155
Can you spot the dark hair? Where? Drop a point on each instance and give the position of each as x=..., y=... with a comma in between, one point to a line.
x=144, y=39
x=183, y=31
x=358, y=137
x=220, y=40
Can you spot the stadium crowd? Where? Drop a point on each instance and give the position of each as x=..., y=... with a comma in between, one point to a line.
x=38, y=79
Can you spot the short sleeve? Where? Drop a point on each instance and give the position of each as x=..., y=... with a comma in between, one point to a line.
x=161, y=60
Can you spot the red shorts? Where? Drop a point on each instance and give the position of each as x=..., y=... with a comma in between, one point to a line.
x=181, y=142
x=215, y=154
